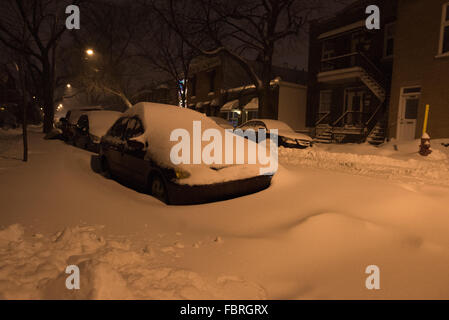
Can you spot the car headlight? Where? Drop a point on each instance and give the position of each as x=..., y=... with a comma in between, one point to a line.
x=181, y=174
x=289, y=141
x=304, y=142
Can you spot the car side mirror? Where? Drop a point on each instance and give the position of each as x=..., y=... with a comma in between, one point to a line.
x=135, y=145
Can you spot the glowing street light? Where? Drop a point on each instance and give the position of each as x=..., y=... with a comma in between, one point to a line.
x=90, y=52
x=69, y=85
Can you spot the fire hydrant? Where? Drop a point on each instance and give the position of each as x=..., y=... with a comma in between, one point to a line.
x=424, y=148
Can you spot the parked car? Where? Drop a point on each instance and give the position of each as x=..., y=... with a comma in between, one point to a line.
x=222, y=122
x=7, y=119
x=68, y=123
x=287, y=138
x=137, y=150
x=91, y=126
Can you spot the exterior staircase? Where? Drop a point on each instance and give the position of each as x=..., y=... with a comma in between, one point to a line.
x=378, y=134
x=324, y=135
x=373, y=85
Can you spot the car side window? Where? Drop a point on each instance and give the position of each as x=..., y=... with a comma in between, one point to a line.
x=248, y=125
x=118, y=128
x=138, y=129
x=259, y=125
x=134, y=129
x=83, y=122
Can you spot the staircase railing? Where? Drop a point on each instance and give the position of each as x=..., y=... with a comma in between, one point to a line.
x=327, y=114
x=372, y=121
x=341, y=118
x=354, y=59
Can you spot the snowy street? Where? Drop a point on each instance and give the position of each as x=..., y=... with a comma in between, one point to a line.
x=311, y=235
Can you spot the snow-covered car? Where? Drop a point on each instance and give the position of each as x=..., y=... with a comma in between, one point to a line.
x=222, y=123
x=91, y=126
x=68, y=123
x=138, y=149
x=287, y=138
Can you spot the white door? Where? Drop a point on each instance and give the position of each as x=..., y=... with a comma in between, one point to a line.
x=408, y=113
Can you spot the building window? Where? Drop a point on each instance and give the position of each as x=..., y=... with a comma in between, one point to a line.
x=444, y=37
x=325, y=101
x=389, y=40
x=212, y=75
x=193, y=86
x=328, y=50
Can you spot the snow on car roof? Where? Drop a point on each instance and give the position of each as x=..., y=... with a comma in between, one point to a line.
x=275, y=124
x=283, y=129
x=101, y=121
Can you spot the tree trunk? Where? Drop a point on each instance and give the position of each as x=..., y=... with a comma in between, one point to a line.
x=266, y=103
x=48, y=96
x=24, y=129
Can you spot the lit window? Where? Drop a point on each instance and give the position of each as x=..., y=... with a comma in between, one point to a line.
x=444, y=37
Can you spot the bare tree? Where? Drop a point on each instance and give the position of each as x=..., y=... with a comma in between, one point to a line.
x=244, y=30
x=110, y=30
x=44, y=23
x=165, y=49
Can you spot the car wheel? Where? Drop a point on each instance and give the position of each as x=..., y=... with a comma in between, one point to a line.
x=105, y=169
x=158, y=188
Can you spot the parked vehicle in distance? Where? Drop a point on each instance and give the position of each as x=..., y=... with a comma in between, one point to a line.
x=287, y=138
x=7, y=119
x=222, y=122
x=137, y=149
x=91, y=126
x=68, y=123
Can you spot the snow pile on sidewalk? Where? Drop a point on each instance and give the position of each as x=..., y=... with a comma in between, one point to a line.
x=34, y=268
x=403, y=165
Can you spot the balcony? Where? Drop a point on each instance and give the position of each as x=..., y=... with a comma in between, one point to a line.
x=353, y=66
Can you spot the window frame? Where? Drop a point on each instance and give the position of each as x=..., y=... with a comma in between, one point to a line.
x=116, y=123
x=322, y=92
x=444, y=25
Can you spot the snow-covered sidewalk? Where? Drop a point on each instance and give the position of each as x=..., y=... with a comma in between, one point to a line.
x=311, y=235
x=398, y=162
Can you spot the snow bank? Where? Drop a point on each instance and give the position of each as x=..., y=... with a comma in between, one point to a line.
x=365, y=159
x=34, y=268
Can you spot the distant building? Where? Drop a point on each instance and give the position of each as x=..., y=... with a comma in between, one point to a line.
x=218, y=86
x=350, y=71
x=421, y=70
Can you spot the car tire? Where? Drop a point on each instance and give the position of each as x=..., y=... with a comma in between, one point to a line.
x=105, y=169
x=158, y=188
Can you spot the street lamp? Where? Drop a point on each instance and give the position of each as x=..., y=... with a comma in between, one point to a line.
x=69, y=85
x=90, y=52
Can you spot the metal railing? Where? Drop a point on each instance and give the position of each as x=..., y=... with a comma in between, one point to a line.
x=355, y=59
x=323, y=117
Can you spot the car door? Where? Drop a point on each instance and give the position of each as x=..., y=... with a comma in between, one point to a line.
x=82, y=132
x=134, y=158
x=113, y=146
